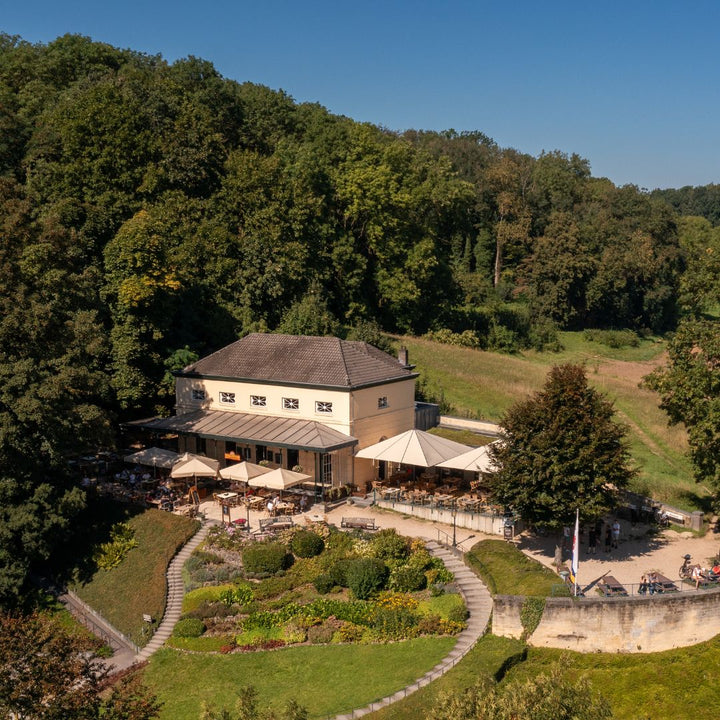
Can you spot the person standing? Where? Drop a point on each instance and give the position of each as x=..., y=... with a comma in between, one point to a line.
x=592, y=540
x=615, y=533
x=608, y=540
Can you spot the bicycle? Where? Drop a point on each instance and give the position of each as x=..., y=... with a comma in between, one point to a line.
x=686, y=569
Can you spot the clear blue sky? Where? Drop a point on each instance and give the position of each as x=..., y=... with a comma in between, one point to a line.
x=632, y=86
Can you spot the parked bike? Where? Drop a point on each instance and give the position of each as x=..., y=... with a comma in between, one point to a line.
x=686, y=568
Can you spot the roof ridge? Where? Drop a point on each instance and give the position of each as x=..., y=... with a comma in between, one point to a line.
x=344, y=361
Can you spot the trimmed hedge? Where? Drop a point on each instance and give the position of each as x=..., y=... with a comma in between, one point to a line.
x=189, y=627
x=266, y=558
x=307, y=544
x=366, y=576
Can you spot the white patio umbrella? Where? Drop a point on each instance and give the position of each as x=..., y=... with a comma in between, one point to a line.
x=476, y=460
x=414, y=447
x=279, y=479
x=244, y=471
x=153, y=457
x=189, y=465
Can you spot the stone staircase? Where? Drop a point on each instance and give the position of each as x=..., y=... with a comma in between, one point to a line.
x=176, y=590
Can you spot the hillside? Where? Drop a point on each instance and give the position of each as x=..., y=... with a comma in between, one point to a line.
x=484, y=384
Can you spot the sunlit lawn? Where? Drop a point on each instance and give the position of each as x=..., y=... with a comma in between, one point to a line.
x=326, y=679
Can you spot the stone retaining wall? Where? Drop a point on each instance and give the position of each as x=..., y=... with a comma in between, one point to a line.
x=632, y=624
x=484, y=523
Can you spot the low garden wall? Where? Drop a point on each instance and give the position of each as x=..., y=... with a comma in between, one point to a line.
x=632, y=624
x=482, y=522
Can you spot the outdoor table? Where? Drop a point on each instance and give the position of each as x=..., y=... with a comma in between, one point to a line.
x=442, y=499
x=227, y=497
x=391, y=492
x=612, y=588
x=661, y=584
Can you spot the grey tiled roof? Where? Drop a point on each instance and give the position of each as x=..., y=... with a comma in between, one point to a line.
x=301, y=359
x=259, y=429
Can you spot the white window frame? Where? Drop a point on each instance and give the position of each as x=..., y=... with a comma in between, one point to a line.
x=258, y=401
x=383, y=402
x=226, y=397
x=324, y=407
x=291, y=403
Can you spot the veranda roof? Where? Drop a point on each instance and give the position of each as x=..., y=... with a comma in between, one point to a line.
x=242, y=472
x=279, y=479
x=476, y=460
x=414, y=447
x=255, y=429
x=153, y=457
x=189, y=465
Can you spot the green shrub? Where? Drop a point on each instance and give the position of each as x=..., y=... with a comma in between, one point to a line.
x=389, y=546
x=110, y=554
x=211, y=610
x=266, y=558
x=189, y=627
x=531, y=613
x=407, y=578
x=197, y=597
x=366, y=576
x=239, y=595
x=395, y=623
x=307, y=544
x=338, y=572
x=323, y=583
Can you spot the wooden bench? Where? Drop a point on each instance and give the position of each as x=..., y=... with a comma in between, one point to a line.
x=610, y=587
x=281, y=522
x=359, y=522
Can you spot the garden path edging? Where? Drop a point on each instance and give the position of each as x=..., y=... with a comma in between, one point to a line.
x=479, y=604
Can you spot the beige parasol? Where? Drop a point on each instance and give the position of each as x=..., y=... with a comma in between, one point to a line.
x=279, y=479
x=242, y=472
x=414, y=447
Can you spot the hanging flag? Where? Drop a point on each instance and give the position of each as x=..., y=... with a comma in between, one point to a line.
x=575, y=551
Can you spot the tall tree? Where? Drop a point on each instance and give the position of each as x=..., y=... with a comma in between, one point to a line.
x=561, y=450
x=690, y=390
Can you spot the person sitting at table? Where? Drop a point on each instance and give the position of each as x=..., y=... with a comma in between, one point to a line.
x=271, y=505
x=698, y=576
x=653, y=582
x=644, y=585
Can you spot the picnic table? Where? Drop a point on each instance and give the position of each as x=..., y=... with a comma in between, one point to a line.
x=662, y=584
x=391, y=492
x=229, y=498
x=610, y=587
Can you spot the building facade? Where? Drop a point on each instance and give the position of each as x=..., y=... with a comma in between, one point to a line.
x=293, y=401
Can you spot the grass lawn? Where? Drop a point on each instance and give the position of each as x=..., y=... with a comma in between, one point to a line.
x=679, y=684
x=467, y=437
x=489, y=656
x=507, y=571
x=484, y=385
x=138, y=585
x=326, y=679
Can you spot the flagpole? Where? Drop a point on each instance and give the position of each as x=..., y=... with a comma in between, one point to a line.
x=576, y=550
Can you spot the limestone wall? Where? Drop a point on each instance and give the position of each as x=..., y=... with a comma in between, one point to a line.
x=633, y=624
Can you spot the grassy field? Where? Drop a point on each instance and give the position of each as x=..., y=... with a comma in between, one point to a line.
x=484, y=385
x=138, y=585
x=507, y=571
x=324, y=679
x=490, y=656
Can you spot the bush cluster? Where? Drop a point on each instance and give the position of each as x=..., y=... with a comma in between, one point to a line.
x=266, y=558
x=110, y=554
x=189, y=627
x=366, y=576
x=307, y=544
x=613, y=338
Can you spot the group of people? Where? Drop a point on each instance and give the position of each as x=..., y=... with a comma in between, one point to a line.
x=611, y=535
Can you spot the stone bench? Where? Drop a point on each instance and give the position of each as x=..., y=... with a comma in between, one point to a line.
x=281, y=522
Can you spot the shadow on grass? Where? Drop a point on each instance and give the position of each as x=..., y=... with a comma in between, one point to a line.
x=72, y=561
x=693, y=499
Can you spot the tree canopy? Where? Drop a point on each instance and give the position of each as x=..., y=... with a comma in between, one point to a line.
x=561, y=450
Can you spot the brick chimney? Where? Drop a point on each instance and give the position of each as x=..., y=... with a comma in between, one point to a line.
x=403, y=356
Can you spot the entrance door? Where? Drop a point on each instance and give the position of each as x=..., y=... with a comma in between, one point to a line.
x=293, y=458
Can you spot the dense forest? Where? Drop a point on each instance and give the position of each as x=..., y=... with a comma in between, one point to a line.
x=151, y=212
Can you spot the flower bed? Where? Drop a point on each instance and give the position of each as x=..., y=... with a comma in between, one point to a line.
x=316, y=585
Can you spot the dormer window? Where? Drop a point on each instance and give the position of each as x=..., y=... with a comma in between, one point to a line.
x=382, y=402
x=258, y=401
x=227, y=398
x=291, y=403
x=198, y=394
x=323, y=407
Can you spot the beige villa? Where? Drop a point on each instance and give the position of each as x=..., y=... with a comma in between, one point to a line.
x=292, y=400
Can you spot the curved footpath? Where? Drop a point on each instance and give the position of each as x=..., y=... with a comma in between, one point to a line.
x=477, y=598
x=479, y=604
